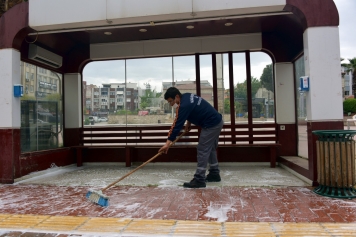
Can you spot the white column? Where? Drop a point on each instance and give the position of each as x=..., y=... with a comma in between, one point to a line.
x=322, y=65
x=284, y=87
x=10, y=74
x=72, y=100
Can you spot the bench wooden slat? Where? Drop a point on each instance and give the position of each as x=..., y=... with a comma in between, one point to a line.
x=158, y=134
x=237, y=135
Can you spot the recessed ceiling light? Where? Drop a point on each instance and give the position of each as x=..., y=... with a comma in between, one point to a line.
x=190, y=27
x=229, y=24
x=107, y=33
x=142, y=30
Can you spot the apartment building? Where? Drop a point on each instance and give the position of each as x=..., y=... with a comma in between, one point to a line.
x=111, y=97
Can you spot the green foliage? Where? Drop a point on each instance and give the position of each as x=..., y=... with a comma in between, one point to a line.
x=144, y=104
x=267, y=78
x=241, y=88
x=349, y=106
x=128, y=112
x=227, y=106
x=86, y=121
x=53, y=97
x=28, y=97
x=122, y=112
x=146, y=99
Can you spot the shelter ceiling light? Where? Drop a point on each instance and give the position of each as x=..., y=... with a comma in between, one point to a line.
x=162, y=23
x=142, y=30
x=229, y=24
x=107, y=33
x=190, y=27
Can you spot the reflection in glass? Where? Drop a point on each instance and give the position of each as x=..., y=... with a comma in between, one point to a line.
x=147, y=77
x=41, y=109
x=240, y=87
x=262, y=84
x=301, y=109
x=135, y=90
x=222, y=70
x=206, y=78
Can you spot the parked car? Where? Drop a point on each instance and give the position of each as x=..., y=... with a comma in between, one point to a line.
x=102, y=119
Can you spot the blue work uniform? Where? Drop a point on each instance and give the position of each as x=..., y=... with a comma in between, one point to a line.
x=199, y=112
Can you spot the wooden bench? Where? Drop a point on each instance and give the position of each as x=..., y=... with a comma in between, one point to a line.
x=153, y=137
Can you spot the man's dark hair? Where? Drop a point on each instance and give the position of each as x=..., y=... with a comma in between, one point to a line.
x=171, y=93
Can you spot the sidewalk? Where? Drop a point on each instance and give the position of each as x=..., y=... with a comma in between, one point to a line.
x=251, y=200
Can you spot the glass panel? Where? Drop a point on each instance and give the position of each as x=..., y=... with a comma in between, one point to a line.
x=223, y=90
x=240, y=87
x=146, y=77
x=222, y=70
x=301, y=110
x=206, y=78
x=262, y=88
x=41, y=109
x=240, y=94
x=103, y=92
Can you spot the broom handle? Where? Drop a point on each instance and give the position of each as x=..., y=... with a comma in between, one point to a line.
x=158, y=154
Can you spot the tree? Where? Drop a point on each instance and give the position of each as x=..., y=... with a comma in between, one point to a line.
x=267, y=78
x=351, y=67
x=227, y=105
x=349, y=106
x=147, y=98
x=28, y=97
x=241, y=88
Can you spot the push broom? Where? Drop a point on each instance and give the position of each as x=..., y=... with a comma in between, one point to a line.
x=99, y=198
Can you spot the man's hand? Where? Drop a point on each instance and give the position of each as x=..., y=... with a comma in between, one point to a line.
x=164, y=149
x=188, y=127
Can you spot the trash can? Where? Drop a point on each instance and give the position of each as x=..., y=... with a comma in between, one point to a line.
x=336, y=163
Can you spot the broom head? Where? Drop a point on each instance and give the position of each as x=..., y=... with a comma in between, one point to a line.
x=98, y=197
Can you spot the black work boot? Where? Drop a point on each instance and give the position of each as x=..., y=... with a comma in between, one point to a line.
x=194, y=184
x=213, y=178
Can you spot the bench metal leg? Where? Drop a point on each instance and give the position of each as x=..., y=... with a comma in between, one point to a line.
x=79, y=157
x=128, y=156
x=273, y=155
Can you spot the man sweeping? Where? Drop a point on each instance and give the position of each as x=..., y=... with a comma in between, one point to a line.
x=196, y=110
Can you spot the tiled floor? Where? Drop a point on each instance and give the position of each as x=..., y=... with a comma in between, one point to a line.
x=232, y=204
x=221, y=209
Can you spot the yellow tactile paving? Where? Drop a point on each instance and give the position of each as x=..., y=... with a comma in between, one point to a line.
x=248, y=229
x=100, y=225
x=22, y=221
x=340, y=229
x=197, y=228
x=144, y=226
x=64, y=223
x=294, y=229
x=129, y=226
x=4, y=216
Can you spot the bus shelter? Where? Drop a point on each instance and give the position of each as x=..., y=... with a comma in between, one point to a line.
x=45, y=46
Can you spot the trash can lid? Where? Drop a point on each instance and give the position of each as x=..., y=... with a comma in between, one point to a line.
x=333, y=133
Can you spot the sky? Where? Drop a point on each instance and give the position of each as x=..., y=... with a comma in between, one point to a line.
x=347, y=28
x=157, y=70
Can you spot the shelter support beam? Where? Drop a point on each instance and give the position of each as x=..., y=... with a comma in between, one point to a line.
x=324, y=99
x=10, y=108
x=73, y=109
x=285, y=108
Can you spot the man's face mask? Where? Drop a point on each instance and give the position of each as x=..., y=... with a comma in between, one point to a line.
x=173, y=103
